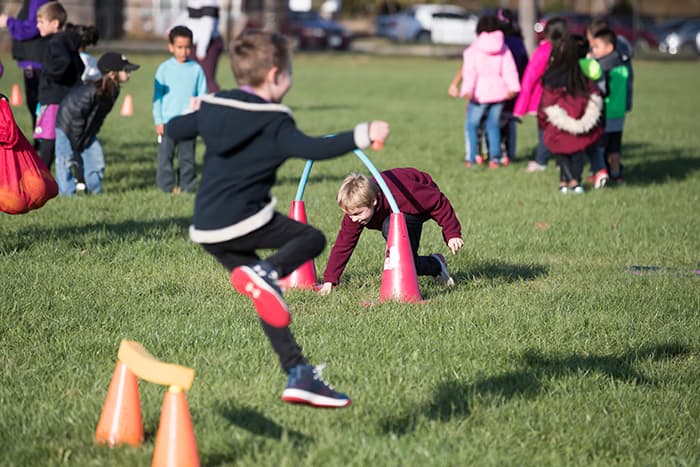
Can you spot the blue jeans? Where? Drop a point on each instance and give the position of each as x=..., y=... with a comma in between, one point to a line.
x=90, y=161
x=493, y=131
x=541, y=153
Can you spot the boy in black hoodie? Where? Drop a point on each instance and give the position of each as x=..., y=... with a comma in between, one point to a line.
x=61, y=68
x=248, y=135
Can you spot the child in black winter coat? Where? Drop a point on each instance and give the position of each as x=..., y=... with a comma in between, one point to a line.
x=79, y=119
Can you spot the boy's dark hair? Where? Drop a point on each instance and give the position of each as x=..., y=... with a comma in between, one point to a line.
x=53, y=11
x=254, y=53
x=598, y=24
x=488, y=23
x=88, y=34
x=564, y=70
x=179, y=31
x=606, y=35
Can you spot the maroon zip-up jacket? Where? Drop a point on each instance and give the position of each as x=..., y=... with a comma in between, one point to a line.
x=416, y=193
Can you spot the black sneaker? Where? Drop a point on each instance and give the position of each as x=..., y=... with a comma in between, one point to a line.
x=306, y=386
x=260, y=282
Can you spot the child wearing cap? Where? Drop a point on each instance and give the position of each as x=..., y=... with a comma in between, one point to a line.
x=80, y=162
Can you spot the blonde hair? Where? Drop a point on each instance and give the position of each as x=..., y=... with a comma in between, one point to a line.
x=53, y=11
x=356, y=191
x=254, y=53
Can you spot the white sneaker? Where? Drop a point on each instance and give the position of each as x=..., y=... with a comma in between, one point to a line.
x=444, y=277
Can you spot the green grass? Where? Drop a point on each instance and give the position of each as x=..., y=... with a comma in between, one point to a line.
x=546, y=352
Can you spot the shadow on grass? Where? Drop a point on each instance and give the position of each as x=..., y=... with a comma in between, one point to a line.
x=94, y=234
x=646, y=164
x=454, y=399
x=502, y=271
x=257, y=424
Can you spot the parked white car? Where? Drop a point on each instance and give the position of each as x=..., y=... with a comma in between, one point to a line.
x=437, y=23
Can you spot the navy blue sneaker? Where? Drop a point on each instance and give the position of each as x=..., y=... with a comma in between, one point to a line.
x=306, y=386
x=260, y=282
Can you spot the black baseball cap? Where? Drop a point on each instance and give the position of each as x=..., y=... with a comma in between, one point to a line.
x=113, y=61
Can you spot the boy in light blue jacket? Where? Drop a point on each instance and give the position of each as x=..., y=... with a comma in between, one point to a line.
x=178, y=81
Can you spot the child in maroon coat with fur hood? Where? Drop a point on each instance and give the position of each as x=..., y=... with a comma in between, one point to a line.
x=570, y=114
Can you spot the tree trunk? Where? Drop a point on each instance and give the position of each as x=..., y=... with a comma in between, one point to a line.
x=526, y=13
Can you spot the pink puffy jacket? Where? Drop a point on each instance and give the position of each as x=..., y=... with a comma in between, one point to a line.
x=488, y=69
x=529, y=98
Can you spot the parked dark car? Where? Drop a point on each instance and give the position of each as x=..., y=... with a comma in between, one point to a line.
x=313, y=32
x=683, y=40
x=576, y=23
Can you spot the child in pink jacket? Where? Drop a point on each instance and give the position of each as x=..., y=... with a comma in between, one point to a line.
x=529, y=99
x=489, y=77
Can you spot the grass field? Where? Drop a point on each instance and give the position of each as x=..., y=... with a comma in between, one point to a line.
x=548, y=351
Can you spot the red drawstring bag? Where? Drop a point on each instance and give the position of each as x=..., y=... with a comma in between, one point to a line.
x=25, y=182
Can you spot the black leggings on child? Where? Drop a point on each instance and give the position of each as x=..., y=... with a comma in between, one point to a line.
x=296, y=243
x=571, y=167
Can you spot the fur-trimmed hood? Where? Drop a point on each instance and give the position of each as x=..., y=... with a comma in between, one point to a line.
x=570, y=123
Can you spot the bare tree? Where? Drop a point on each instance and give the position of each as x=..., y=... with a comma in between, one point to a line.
x=273, y=12
x=526, y=13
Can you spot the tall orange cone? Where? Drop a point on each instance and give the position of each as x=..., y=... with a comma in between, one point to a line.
x=120, y=421
x=304, y=277
x=127, y=107
x=16, y=96
x=399, y=279
x=175, y=442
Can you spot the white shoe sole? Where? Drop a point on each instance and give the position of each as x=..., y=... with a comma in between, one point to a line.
x=299, y=396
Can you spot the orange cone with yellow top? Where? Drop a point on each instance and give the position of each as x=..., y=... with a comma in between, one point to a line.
x=176, y=445
x=120, y=421
x=127, y=107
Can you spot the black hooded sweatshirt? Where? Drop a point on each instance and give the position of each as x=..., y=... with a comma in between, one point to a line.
x=61, y=67
x=247, y=139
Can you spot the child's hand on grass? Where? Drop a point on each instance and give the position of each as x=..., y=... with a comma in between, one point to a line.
x=455, y=244
x=326, y=288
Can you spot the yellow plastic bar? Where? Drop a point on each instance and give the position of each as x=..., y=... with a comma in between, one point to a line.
x=147, y=367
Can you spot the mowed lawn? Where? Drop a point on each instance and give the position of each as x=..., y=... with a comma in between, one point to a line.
x=550, y=350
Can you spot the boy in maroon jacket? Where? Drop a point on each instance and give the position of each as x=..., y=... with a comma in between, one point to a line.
x=418, y=198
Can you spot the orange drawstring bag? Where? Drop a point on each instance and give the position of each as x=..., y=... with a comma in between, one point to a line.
x=25, y=182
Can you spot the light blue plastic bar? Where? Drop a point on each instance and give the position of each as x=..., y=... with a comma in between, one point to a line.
x=380, y=181
x=304, y=178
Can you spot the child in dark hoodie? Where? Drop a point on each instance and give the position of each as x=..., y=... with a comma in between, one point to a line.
x=61, y=69
x=248, y=135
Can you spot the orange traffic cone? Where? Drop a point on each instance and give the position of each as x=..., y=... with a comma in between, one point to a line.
x=120, y=421
x=16, y=96
x=127, y=107
x=399, y=279
x=175, y=442
x=304, y=277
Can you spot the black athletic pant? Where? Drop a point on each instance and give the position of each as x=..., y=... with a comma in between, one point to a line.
x=571, y=167
x=296, y=243
x=31, y=92
x=425, y=265
x=47, y=151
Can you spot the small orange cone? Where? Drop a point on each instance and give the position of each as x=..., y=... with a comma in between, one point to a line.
x=127, y=107
x=16, y=96
x=120, y=421
x=399, y=279
x=175, y=442
x=304, y=277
